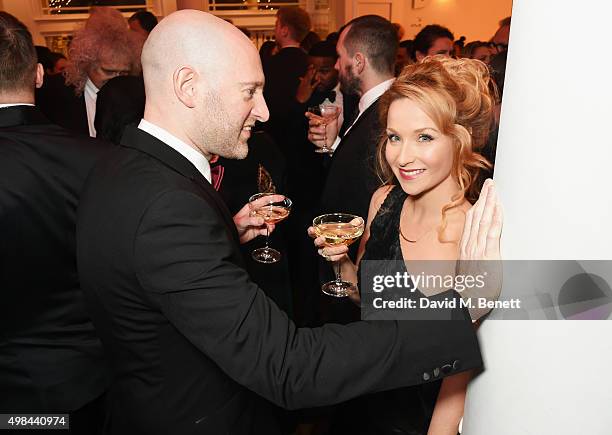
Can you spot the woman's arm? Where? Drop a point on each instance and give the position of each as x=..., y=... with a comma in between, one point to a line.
x=378, y=197
x=449, y=406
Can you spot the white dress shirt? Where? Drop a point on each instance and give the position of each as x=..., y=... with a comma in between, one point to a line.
x=91, y=96
x=366, y=101
x=2, y=106
x=196, y=158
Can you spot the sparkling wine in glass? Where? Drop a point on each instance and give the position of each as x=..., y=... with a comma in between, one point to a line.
x=273, y=208
x=338, y=229
x=326, y=114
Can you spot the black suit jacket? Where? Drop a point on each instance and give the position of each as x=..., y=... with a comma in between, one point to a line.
x=351, y=180
x=50, y=357
x=283, y=72
x=263, y=166
x=192, y=340
x=58, y=102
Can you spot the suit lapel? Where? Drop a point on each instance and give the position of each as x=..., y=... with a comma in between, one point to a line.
x=138, y=139
x=81, y=123
x=365, y=115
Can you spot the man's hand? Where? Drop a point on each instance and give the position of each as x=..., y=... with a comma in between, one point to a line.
x=250, y=226
x=480, y=248
x=307, y=85
x=320, y=135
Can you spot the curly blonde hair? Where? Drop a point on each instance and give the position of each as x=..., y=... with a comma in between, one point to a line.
x=105, y=31
x=458, y=95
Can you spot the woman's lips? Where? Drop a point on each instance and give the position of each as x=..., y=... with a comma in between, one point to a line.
x=411, y=174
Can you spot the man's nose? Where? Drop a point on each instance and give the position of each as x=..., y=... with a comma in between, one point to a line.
x=260, y=111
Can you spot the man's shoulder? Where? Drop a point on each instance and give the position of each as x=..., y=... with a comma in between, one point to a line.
x=52, y=143
x=132, y=172
x=366, y=131
x=289, y=59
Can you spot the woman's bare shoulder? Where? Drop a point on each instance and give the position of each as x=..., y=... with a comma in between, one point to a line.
x=379, y=196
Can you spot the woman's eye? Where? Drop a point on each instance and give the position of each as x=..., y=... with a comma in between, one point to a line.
x=425, y=138
x=393, y=137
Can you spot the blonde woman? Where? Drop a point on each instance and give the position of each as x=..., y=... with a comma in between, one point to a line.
x=438, y=114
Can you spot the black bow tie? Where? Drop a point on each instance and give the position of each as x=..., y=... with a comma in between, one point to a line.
x=331, y=96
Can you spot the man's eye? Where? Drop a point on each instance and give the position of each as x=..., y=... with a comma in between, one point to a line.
x=394, y=138
x=251, y=91
x=425, y=138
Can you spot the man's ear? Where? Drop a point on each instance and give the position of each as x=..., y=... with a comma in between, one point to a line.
x=419, y=56
x=185, y=81
x=40, y=75
x=285, y=31
x=359, y=62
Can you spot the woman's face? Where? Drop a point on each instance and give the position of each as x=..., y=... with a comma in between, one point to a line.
x=441, y=46
x=483, y=54
x=420, y=156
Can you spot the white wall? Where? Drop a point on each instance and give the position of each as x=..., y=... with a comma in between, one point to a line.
x=474, y=19
x=23, y=10
x=553, y=175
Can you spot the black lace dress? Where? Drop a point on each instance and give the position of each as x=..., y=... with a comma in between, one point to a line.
x=406, y=410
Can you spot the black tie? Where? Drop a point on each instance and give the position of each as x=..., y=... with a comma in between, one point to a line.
x=331, y=96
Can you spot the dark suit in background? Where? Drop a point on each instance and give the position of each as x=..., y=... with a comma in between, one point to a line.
x=288, y=128
x=192, y=340
x=51, y=359
x=351, y=181
x=283, y=72
x=119, y=103
x=58, y=102
x=263, y=170
x=305, y=268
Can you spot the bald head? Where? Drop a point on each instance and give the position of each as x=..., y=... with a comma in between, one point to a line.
x=195, y=39
x=196, y=68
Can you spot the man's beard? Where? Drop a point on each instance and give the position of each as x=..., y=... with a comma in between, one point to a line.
x=350, y=84
x=218, y=134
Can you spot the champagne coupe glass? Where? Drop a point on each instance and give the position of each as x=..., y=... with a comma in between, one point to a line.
x=326, y=113
x=338, y=229
x=272, y=210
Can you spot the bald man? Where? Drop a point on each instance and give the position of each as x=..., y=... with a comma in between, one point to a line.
x=194, y=345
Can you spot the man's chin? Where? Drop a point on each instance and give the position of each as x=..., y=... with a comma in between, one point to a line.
x=239, y=152
x=242, y=152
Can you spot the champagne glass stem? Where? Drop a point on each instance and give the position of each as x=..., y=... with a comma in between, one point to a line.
x=338, y=271
x=267, y=236
x=325, y=136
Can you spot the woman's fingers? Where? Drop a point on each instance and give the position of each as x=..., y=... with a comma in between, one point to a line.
x=486, y=220
x=478, y=209
x=492, y=249
x=465, y=236
x=330, y=253
x=333, y=253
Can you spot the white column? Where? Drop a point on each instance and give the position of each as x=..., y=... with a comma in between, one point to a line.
x=553, y=171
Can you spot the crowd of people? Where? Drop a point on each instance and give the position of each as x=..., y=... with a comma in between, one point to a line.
x=132, y=300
